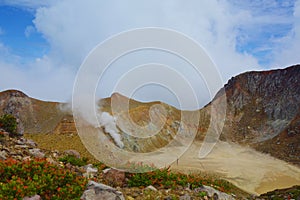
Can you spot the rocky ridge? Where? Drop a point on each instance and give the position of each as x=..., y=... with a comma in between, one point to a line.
x=263, y=111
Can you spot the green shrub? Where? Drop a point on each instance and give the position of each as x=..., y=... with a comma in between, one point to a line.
x=9, y=123
x=27, y=178
x=100, y=166
x=73, y=160
x=140, y=167
x=162, y=178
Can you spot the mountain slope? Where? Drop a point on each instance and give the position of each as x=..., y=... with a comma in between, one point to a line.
x=263, y=112
x=33, y=116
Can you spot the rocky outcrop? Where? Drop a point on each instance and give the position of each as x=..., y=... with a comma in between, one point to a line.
x=213, y=193
x=263, y=111
x=33, y=116
x=16, y=100
x=287, y=193
x=100, y=191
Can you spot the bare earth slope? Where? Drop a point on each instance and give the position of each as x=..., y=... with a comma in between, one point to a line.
x=246, y=168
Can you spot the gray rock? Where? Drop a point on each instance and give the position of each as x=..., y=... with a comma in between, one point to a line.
x=37, y=153
x=150, y=187
x=213, y=193
x=185, y=197
x=21, y=146
x=97, y=191
x=21, y=141
x=90, y=171
x=31, y=143
x=35, y=197
x=3, y=155
x=114, y=177
x=72, y=152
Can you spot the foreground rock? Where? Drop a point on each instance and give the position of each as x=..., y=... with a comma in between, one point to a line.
x=97, y=191
x=35, y=197
x=114, y=177
x=213, y=193
x=288, y=193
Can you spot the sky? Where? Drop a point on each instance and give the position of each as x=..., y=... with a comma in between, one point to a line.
x=43, y=43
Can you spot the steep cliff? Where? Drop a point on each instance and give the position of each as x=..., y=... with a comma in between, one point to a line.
x=263, y=112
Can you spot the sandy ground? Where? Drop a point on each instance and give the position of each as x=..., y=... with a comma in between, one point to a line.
x=246, y=168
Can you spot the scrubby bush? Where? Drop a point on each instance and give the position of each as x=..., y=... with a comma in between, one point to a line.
x=140, y=167
x=9, y=123
x=163, y=178
x=27, y=178
x=74, y=160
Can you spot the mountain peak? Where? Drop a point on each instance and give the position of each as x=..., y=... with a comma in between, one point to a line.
x=12, y=93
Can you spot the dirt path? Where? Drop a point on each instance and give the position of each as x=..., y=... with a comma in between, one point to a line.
x=248, y=169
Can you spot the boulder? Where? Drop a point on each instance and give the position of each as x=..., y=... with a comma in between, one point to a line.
x=37, y=153
x=35, y=197
x=96, y=191
x=213, y=193
x=114, y=177
x=185, y=197
x=90, y=171
x=31, y=143
x=150, y=187
x=3, y=155
x=72, y=152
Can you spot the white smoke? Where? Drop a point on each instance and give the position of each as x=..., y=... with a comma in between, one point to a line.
x=65, y=108
x=105, y=120
x=108, y=122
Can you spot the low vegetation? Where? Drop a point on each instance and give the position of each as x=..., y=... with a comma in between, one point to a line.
x=165, y=178
x=73, y=160
x=160, y=178
x=9, y=123
x=61, y=142
x=27, y=178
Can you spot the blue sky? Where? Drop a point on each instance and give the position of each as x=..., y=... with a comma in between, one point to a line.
x=18, y=33
x=43, y=43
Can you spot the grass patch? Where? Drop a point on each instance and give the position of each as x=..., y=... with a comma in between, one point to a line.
x=61, y=142
x=74, y=161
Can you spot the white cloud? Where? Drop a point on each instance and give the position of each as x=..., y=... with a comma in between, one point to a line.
x=46, y=83
x=40, y=79
x=264, y=24
x=29, y=30
x=287, y=52
x=73, y=27
x=28, y=4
